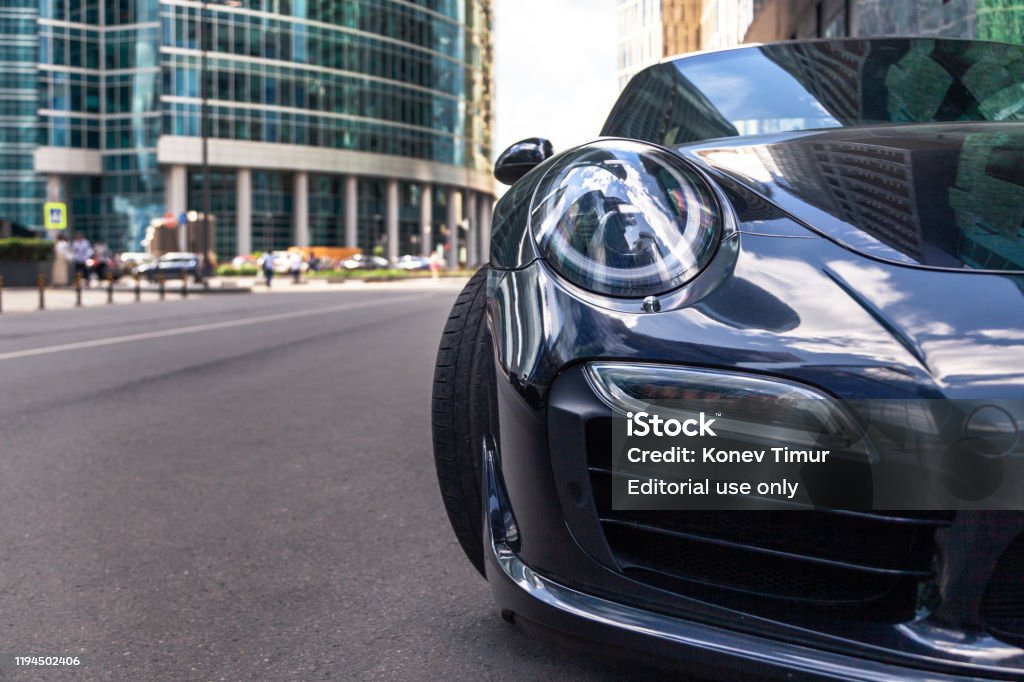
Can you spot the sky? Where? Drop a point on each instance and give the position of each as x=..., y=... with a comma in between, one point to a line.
x=554, y=66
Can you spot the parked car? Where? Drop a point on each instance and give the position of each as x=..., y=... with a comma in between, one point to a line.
x=361, y=261
x=175, y=265
x=413, y=263
x=835, y=221
x=131, y=260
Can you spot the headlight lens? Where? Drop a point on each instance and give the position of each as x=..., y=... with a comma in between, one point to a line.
x=756, y=409
x=625, y=219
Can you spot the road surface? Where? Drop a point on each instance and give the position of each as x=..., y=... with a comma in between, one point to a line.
x=241, y=487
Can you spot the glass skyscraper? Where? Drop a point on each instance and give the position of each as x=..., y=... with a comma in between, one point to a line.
x=21, y=190
x=300, y=122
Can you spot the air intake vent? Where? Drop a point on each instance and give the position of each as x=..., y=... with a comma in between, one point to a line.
x=1002, y=610
x=868, y=563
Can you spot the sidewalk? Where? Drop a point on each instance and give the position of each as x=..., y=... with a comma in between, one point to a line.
x=23, y=300
x=283, y=284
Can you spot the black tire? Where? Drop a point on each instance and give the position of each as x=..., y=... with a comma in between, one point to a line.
x=464, y=414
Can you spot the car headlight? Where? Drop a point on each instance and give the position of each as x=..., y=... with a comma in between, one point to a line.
x=757, y=409
x=626, y=219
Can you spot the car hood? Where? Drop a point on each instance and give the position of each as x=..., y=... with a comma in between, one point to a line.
x=925, y=204
x=964, y=330
x=947, y=195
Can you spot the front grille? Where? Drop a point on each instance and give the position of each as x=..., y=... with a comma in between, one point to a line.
x=1002, y=609
x=870, y=563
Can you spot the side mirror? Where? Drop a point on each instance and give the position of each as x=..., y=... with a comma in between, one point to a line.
x=521, y=158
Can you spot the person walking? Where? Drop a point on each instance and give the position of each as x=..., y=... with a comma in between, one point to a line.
x=61, y=261
x=268, y=266
x=435, y=265
x=296, y=266
x=100, y=256
x=81, y=250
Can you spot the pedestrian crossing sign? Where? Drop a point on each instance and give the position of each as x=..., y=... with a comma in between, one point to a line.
x=55, y=214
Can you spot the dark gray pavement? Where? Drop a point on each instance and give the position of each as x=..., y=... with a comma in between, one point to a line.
x=240, y=487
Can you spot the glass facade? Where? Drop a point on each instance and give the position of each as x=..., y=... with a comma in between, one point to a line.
x=439, y=207
x=409, y=217
x=371, y=233
x=386, y=78
x=21, y=191
x=116, y=79
x=223, y=204
x=326, y=208
x=272, y=207
x=97, y=90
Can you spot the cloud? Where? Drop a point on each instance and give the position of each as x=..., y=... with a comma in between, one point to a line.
x=555, y=70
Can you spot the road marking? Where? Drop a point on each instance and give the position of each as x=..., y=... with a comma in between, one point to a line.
x=194, y=329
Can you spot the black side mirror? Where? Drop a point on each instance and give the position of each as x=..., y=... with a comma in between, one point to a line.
x=521, y=158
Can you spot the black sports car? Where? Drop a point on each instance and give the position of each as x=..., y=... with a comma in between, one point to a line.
x=830, y=230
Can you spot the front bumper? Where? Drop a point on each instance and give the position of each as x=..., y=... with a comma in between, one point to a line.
x=705, y=650
x=550, y=566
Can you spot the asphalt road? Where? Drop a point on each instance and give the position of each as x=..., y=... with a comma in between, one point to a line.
x=240, y=487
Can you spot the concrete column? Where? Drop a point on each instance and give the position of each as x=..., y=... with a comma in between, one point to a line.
x=486, y=206
x=351, y=211
x=300, y=207
x=426, y=218
x=243, y=210
x=473, y=229
x=391, y=220
x=454, y=216
x=176, y=199
x=54, y=188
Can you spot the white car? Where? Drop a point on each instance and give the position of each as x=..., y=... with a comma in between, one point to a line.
x=361, y=261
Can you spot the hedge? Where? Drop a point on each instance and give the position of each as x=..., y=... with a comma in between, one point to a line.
x=241, y=271
x=25, y=249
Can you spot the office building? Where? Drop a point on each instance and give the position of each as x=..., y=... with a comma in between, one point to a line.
x=295, y=122
x=650, y=30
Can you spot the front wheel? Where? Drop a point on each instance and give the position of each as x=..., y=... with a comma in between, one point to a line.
x=464, y=414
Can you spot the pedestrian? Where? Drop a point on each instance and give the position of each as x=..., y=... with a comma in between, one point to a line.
x=61, y=261
x=100, y=255
x=296, y=266
x=268, y=266
x=313, y=265
x=435, y=265
x=81, y=251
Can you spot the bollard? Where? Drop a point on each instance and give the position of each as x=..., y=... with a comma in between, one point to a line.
x=78, y=290
x=138, y=288
x=41, y=283
x=184, y=285
x=110, y=289
x=1, y=293
x=163, y=283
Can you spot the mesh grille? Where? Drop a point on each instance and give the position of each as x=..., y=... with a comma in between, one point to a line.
x=864, y=562
x=1002, y=610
